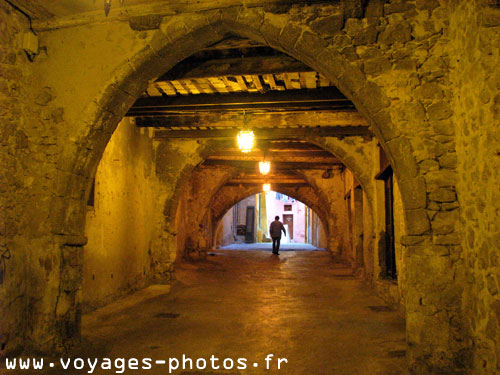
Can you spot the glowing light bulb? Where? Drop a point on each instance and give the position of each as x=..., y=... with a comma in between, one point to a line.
x=264, y=167
x=245, y=140
x=266, y=187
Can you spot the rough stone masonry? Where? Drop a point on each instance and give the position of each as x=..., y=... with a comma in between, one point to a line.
x=423, y=72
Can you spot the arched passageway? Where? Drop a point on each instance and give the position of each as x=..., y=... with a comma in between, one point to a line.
x=397, y=183
x=248, y=221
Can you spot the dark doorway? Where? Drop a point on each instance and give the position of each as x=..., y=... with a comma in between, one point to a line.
x=250, y=225
x=390, y=249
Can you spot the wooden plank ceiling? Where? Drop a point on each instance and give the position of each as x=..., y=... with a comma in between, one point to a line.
x=224, y=84
x=241, y=84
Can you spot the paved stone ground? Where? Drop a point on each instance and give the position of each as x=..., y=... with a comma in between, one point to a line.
x=268, y=246
x=301, y=306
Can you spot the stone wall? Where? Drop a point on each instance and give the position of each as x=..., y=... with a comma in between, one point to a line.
x=475, y=45
x=15, y=181
x=195, y=227
x=423, y=72
x=121, y=224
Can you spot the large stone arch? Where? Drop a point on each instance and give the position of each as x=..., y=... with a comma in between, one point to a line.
x=178, y=38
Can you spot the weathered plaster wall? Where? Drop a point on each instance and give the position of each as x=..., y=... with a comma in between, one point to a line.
x=318, y=234
x=475, y=45
x=120, y=227
x=226, y=231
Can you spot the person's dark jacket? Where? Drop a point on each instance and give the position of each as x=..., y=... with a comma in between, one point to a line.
x=275, y=229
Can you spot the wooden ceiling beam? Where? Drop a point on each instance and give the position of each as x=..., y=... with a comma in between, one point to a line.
x=271, y=133
x=275, y=166
x=255, y=65
x=275, y=158
x=254, y=120
x=228, y=154
x=283, y=184
x=327, y=97
x=239, y=181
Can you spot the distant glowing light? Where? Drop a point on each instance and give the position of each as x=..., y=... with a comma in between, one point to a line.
x=264, y=167
x=245, y=140
x=266, y=187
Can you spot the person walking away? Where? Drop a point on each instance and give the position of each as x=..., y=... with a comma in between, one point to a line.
x=275, y=231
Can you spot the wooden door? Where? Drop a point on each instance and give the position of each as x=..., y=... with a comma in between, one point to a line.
x=288, y=220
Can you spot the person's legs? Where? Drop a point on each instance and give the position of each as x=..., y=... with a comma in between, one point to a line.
x=276, y=245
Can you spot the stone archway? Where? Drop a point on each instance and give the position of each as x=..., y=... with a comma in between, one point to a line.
x=227, y=197
x=179, y=37
x=201, y=190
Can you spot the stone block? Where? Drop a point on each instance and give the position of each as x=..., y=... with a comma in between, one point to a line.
x=373, y=97
x=451, y=239
x=406, y=64
x=376, y=66
x=411, y=240
x=488, y=18
x=309, y=46
x=429, y=90
x=428, y=165
x=443, y=127
x=44, y=97
x=445, y=222
x=272, y=27
x=328, y=26
x=441, y=178
x=289, y=36
x=426, y=4
x=385, y=125
x=361, y=32
x=397, y=33
x=353, y=9
x=492, y=285
x=482, y=256
x=439, y=111
x=374, y=8
x=398, y=7
x=443, y=195
x=417, y=222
